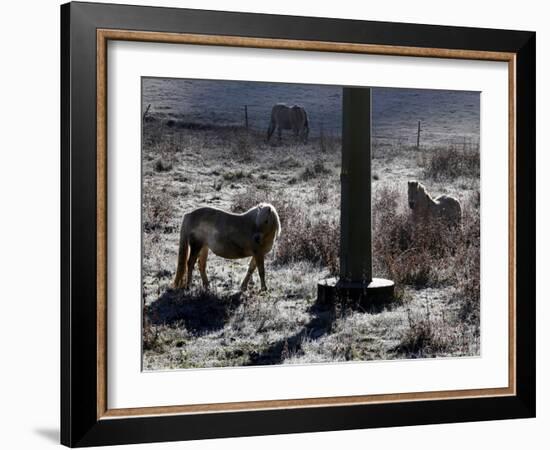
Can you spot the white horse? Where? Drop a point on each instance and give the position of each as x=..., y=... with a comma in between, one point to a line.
x=424, y=207
x=228, y=235
x=292, y=118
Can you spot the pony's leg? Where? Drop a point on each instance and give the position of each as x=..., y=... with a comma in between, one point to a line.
x=193, y=255
x=280, y=133
x=203, y=255
x=251, y=268
x=261, y=271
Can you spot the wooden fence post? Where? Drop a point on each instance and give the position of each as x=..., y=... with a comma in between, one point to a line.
x=246, y=117
x=418, y=137
x=146, y=111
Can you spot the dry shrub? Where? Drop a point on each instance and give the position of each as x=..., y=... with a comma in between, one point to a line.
x=236, y=175
x=305, y=240
x=302, y=238
x=243, y=148
x=162, y=165
x=158, y=210
x=328, y=143
x=314, y=170
x=251, y=197
x=400, y=251
x=321, y=192
x=431, y=335
x=421, y=254
x=429, y=254
x=153, y=131
x=425, y=336
x=288, y=163
x=322, y=140
x=450, y=163
x=150, y=334
x=468, y=264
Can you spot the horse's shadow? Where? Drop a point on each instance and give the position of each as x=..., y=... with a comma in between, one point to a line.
x=199, y=310
x=323, y=316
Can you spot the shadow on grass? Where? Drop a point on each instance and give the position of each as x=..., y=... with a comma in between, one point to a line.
x=199, y=310
x=320, y=325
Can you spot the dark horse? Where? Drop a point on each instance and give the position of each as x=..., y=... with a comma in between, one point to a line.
x=292, y=118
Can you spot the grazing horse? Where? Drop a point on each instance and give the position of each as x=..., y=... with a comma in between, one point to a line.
x=424, y=207
x=228, y=235
x=292, y=118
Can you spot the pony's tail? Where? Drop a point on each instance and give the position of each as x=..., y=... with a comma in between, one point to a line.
x=183, y=256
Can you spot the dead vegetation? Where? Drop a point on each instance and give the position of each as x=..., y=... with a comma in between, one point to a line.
x=315, y=170
x=451, y=163
x=424, y=254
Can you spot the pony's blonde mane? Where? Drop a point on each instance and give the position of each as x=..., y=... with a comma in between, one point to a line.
x=273, y=213
x=421, y=189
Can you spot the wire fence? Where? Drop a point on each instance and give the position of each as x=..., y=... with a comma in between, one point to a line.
x=419, y=134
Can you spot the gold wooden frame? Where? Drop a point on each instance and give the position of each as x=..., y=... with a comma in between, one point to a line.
x=104, y=35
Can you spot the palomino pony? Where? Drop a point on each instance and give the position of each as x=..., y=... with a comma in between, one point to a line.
x=288, y=118
x=228, y=235
x=424, y=207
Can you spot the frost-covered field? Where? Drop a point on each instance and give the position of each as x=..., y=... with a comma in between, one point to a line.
x=436, y=310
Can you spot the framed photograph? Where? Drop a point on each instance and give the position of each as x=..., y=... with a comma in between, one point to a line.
x=276, y=224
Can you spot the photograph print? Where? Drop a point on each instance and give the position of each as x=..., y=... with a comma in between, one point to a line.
x=242, y=216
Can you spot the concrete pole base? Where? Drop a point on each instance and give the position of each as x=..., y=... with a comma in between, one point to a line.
x=374, y=294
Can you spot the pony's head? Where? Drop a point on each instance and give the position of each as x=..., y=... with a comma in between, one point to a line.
x=267, y=219
x=415, y=189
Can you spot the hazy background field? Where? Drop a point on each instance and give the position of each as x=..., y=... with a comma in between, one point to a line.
x=197, y=151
